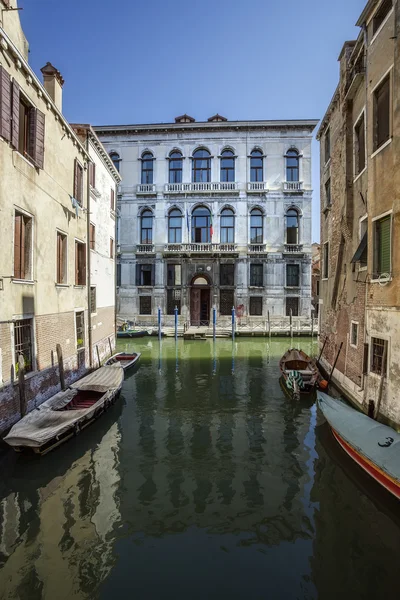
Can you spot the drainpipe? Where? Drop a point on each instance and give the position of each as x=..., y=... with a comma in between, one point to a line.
x=88, y=258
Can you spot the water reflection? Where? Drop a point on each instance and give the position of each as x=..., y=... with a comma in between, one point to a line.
x=204, y=471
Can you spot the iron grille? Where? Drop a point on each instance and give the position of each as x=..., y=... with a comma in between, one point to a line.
x=256, y=306
x=23, y=342
x=378, y=346
x=145, y=305
x=292, y=304
x=226, y=302
x=80, y=329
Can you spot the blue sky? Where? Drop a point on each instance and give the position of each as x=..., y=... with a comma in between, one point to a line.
x=132, y=61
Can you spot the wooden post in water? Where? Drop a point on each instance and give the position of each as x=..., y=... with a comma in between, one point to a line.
x=383, y=373
x=269, y=326
x=336, y=359
x=98, y=354
x=109, y=343
x=60, y=365
x=312, y=325
x=21, y=384
x=322, y=349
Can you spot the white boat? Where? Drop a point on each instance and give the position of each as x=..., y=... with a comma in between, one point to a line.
x=124, y=359
x=68, y=412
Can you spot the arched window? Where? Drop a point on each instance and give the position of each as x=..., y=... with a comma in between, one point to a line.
x=174, y=226
x=256, y=166
x=227, y=165
x=292, y=165
x=147, y=167
x=227, y=226
x=256, y=226
x=201, y=225
x=146, y=227
x=116, y=159
x=292, y=226
x=175, y=167
x=201, y=167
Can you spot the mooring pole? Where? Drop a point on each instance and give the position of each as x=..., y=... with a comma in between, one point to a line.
x=269, y=326
x=214, y=323
x=322, y=349
x=233, y=322
x=159, y=323
x=176, y=322
x=334, y=364
x=21, y=384
x=60, y=365
x=312, y=324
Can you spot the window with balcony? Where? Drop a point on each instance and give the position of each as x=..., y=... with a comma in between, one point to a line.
x=256, y=306
x=201, y=166
x=61, y=274
x=381, y=14
x=256, y=166
x=292, y=226
x=146, y=227
x=147, y=167
x=201, y=225
x=256, y=275
x=175, y=226
x=227, y=165
x=175, y=167
x=359, y=146
x=382, y=246
x=23, y=342
x=144, y=275
x=115, y=159
x=227, y=222
x=23, y=231
x=292, y=275
x=381, y=113
x=227, y=274
x=292, y=165
x=256, y=226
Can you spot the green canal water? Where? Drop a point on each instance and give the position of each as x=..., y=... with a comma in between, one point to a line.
x=202, y=481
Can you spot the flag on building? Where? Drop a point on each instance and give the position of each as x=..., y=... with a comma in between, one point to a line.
x=211, y=226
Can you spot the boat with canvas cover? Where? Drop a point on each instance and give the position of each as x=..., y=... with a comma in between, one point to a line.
x=68, y=412
x=124, y=359
x=373, y=446
x=299, y=372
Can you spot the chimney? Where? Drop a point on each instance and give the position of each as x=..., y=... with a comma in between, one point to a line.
x=53, y=82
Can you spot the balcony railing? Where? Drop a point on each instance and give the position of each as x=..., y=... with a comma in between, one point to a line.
x=292, y=186
x=257, y=186
x=146, y=188
x=144, y=248
x=257, y=247
x=294, y=248
x=203, y=187
x=202, y=248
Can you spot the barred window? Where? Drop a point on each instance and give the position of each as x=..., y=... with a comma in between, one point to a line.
x=256, y=306
x=378, y=347
x=80, y=329
x=227, y=274
x=145, y=305
x=292, y=275
x=226, y=300
x=256, y=275
x=23, y=342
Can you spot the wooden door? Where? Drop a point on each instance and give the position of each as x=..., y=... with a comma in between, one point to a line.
x=195, y=295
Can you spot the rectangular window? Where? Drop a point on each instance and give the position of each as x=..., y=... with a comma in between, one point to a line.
x=226, y=300
x=61, y=258
x=328, y=200
x=80, y=263
x=145, y=305
x=23, y=342
x=293, y=275
x=354, y=334
x=92, y=299
x=227, y=274
x=327, y=145
x=292, y=304
x=326, y=261
x=23, y=226
x=382, y=246
x=118, y=275
x=144, y=275
x=173, y=299
x=381, y=15
x=382, y=113
x=92, y=236
x=256, y=275
x=111, y=248
x=80, y=329
x=112, y=199
x=26, y=112
x=317, y=287
x=174, y=275
x=377, y=350
x=92, y=174
x=359, y=146
x=256, y=306
x=78, y=182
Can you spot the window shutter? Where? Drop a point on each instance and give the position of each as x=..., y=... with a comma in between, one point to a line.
x=17, y=246
x=76, y=263
x=59, y=250
x=15, y=115
x=152, y=275
x=5, y=104
x=384, y=245
x=83, y=276
x=36, y=137
x=23, y=249
x=75, y=194
x=138, y=275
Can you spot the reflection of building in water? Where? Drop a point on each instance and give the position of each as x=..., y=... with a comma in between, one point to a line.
x=65, y=547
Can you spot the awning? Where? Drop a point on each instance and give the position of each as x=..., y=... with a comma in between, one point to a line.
x=361, y=248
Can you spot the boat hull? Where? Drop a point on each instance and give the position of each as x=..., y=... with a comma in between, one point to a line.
x=131, y=334
x=123, y=359
x=368, y=466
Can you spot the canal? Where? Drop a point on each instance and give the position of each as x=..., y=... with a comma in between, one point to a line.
x=202, y=481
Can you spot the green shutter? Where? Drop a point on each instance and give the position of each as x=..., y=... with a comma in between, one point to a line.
x=384, y=245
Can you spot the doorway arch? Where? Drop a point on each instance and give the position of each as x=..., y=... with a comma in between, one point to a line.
x=200, y=300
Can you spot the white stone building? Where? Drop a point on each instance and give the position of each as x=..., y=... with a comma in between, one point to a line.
x=214, y=213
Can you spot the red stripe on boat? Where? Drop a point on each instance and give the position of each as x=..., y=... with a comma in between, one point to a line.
x=390, y=484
